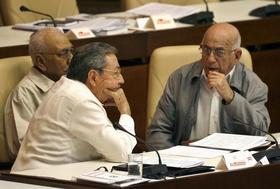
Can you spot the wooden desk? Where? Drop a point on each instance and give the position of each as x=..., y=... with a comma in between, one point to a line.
x=256, y=178
x=260, y=36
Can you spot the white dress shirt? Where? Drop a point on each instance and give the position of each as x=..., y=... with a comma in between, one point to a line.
x=208, y=112
x=71, y=125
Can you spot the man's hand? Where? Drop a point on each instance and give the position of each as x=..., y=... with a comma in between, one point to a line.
x=220, y=83
x=120, y=100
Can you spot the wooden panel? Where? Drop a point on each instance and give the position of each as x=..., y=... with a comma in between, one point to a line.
x=129, y=45
x=135, y=88
x=98, y=6
x=266, y=65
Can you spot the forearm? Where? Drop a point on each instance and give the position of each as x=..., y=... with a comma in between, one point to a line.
x=242, y=112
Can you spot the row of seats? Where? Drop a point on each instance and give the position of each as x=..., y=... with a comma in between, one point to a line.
x=61, y=8
x=57, y=8
x=163, y=61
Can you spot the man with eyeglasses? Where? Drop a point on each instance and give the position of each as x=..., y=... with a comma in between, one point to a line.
x=71, y=124
x=214, y=94
x=51, y=53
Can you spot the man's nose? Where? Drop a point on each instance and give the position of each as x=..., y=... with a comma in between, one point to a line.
x=211, y=59
x=121, y=79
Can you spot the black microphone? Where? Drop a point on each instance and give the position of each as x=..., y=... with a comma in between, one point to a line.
x=23, y=8
x=154, y=171
x=203, y=17
x=265, y=11
x=273, y=155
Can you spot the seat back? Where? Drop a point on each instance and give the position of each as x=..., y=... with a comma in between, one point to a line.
x=12, y=70
x=130, y=4
x=56, y=8
x=164, y=61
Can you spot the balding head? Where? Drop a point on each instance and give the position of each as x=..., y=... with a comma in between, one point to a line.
x=50, y=51
x=42, y=41
x=225, y=33
x=220, y=48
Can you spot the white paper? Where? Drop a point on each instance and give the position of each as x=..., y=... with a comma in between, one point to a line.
x=175, y=11
x=110, y=178
x=172, y=161
x=230, y=141
x=190, y=151
x=96, y=25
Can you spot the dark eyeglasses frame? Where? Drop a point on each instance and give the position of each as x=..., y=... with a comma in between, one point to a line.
x=217, y=52
x=64, y=53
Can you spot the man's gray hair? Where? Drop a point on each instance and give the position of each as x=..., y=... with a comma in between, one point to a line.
x=37, y=41
x=87, y=57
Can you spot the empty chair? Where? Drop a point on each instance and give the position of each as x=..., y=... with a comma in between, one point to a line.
x=129, y=4
x=56, y=8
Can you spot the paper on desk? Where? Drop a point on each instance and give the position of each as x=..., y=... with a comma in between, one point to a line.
x=175, y=11
x=189, y=151
x=172, y=161
x=230, y=141
x=110, y=178
x=96, y=25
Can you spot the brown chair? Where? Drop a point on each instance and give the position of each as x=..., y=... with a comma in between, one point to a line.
x=164, y=61
x=129, y=4
x=12, y=71
x=56, y=8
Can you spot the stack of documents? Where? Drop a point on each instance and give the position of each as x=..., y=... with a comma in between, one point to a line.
x=172, y=161
x=98, y=25
x=175, y=11
x=231, y=141
x=36, y=25
x=110, y=178
x=189, y=151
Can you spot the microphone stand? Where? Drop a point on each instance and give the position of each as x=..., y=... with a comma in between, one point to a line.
x=266, y=11
x=25, y=9
x=273, y=155
x=203, y=17
x=154, y=171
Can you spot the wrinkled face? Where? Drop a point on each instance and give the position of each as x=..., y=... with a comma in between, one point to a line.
x=217, y=51
x=109, y=77
x=56, y=61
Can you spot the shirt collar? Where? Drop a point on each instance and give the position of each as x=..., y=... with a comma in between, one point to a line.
x=40, y=80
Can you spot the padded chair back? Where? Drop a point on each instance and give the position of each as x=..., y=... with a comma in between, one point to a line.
x=130, y=4
x=164, y=61
x=56, y=8
x=12, y=71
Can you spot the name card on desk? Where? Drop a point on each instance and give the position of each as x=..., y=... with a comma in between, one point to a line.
x=239, y=160
x=156, y=22
x=79, y=33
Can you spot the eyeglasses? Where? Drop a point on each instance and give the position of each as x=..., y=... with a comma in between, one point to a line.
x=218, y=52
x=64, y=53
x=116, y=73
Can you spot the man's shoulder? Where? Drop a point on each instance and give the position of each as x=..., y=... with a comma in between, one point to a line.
x=191, y=69
x=248, y=74
x=72, y=89
x=24, y=86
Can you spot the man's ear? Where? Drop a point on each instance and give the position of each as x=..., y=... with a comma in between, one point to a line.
x=238, y=53
x=92, y=77
x=41, y=63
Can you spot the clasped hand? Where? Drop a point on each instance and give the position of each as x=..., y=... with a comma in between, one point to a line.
x=220, y=83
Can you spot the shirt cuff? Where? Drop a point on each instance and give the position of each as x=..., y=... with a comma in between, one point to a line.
x=127, y=122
